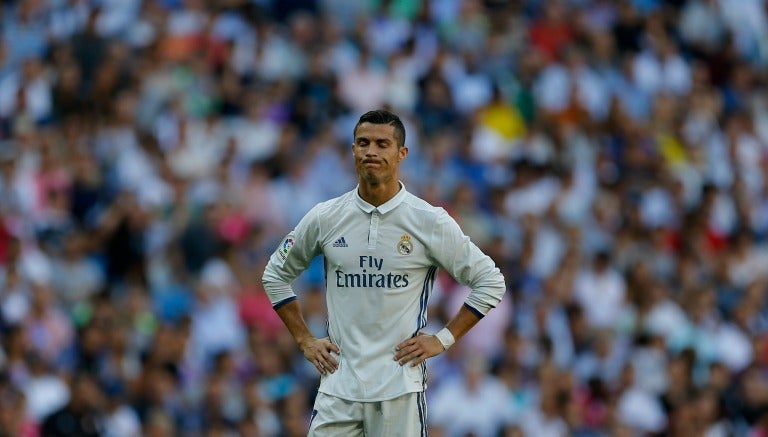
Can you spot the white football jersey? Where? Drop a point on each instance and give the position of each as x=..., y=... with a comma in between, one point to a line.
x=380, y=265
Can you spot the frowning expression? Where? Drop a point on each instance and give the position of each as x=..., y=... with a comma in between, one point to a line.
x=377, y=153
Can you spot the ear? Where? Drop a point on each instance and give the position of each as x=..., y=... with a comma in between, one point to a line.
x=402, y=153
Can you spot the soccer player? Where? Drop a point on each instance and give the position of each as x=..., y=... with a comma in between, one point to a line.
x=382, y=248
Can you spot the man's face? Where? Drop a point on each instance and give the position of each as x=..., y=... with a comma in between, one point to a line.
x=376, y=153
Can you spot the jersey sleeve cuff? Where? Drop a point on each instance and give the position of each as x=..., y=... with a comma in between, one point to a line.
x=474, y=311
x=278, y=305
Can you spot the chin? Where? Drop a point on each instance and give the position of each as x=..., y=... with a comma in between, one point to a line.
x=371, y=178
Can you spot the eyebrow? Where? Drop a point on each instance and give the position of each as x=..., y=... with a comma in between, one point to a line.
x=377, y=140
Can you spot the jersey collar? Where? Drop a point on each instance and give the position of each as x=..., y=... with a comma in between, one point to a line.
x=384, y=208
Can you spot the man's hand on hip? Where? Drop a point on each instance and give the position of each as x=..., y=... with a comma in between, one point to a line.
x=318, y=352
x=417, y=349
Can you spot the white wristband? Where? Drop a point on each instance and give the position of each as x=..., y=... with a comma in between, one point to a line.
x=446, y=338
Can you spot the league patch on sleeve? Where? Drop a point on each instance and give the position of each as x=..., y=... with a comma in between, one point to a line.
x=285, y=248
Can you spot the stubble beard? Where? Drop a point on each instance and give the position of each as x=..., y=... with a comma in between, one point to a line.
x=371, y=179
x=378, y=176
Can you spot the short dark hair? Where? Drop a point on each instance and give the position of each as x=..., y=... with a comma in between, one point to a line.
x=382, y=116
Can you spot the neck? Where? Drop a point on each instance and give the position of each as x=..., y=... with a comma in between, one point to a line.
x=378, y=194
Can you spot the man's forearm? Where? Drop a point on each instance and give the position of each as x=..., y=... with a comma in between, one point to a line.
x=291, y=316
x=316, y=351
x=462, y=322
x=418, y=348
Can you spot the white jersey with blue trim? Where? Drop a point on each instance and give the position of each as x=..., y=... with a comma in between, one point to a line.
x=380, y=266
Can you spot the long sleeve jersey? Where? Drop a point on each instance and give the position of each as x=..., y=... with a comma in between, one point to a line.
x=380, y=266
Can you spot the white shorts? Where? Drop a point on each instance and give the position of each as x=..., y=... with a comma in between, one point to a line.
x=405, y=416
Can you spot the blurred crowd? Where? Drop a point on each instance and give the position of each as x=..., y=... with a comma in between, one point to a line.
x=611, y=156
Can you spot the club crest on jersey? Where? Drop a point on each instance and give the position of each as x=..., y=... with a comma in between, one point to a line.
x=404, y=246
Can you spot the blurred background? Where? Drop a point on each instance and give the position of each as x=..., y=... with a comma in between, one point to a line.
x=611, y=157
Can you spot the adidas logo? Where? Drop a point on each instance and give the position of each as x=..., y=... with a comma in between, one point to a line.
x=341, y=242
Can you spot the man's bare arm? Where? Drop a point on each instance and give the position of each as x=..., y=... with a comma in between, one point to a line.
x=316, y=350
x=417, y=349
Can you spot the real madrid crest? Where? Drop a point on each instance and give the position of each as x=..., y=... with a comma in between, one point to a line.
x=404, y=246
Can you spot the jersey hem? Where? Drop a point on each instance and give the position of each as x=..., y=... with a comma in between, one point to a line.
x=381, y=399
